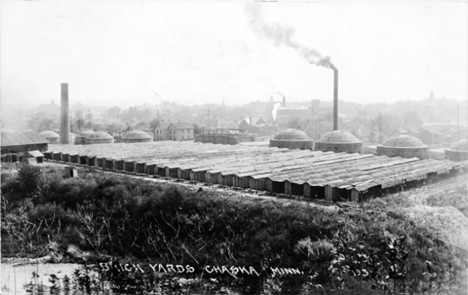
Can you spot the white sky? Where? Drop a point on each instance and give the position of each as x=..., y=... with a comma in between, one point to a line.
x=132, y=52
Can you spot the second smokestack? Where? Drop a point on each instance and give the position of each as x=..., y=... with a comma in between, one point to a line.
x=335, y=98
x=64, y=115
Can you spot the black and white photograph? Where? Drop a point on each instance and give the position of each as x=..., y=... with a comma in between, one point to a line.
x=234, y=147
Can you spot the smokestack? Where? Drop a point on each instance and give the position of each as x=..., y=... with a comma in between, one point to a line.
x=335, y=98
x=64, y=116
x=284, y=101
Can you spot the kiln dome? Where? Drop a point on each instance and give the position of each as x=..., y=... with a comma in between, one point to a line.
x=338, y=136
x=461, y=145
x=292, y=134
x=137, y=136
x=402, y=141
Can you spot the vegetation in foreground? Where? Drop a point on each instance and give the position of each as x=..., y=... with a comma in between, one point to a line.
x=375, y=246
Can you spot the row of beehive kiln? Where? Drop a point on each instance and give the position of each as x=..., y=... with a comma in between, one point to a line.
x=308, y=173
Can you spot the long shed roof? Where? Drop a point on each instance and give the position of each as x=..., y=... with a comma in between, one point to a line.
x=16, y=138
x=314, y=168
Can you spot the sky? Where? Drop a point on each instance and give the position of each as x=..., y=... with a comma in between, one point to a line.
x=194, y=52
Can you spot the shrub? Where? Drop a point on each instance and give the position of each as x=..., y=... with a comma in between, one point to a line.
x=127, y=217
x=30, y=178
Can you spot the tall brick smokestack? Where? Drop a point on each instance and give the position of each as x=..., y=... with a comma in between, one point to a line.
x=283, y=35
x=335, y=98
x=284, y=101
x=64, y=115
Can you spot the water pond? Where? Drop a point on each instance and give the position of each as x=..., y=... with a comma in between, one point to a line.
x=14, y=279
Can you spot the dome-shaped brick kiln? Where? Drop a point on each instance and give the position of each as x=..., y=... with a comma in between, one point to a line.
x=137, y=136
x=405, y=146
x=99, y=137
x=458, y=151
x=51, y=136
x=339, y=141
x=292, y=139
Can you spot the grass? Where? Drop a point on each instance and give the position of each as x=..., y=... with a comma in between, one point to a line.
x=442, y=207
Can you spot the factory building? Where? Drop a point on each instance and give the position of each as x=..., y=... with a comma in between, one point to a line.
x=51, y=136
x=292, y=139
x=405, y=146
x=285, y=114
x=458, y=151
x=137, y=136
x=339, y=141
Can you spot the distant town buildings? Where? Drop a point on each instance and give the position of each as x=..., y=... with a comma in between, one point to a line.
x=256, y=125
x=285, y=114
x=224, y=136
x=161, y=131
x=434, y=134
x=179, y=131
x=435, y=121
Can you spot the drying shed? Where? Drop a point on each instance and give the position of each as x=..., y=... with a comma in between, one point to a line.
x=32, y=157
x=292, y=139
x=51, y=136
x=405, y=146
x=458, y=151
x=14, y=144
x=339, y=141
x=311, y=174
x=137, y=136
x=99, y=137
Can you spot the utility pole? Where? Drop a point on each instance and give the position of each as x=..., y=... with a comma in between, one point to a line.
x=380, y=127
x=311, y=124
x=458, y=120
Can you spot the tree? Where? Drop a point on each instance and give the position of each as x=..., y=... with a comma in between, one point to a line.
x=114, y=128
x=45, y=124
x=361, y=116
x=386, y=123
x=88, y=124
x=80, y=123
x=153, y=123
x=30, y=178
x=197, y=129
x=79, y=115
x=114, y=113
x=295, y=123
x=412, y=119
